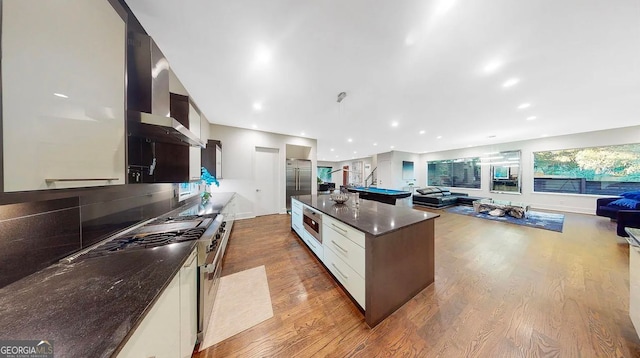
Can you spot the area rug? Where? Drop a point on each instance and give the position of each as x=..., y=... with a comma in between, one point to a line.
x=547, y=221
x=242, y=301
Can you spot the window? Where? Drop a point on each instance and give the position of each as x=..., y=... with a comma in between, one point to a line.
x=608, y=170
x=505, y=171
x=324, y=174
x=457, y=173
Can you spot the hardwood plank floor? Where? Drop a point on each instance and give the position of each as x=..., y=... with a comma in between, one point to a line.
x=500, y=290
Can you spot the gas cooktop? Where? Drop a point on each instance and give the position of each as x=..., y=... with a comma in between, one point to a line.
x=159, y=232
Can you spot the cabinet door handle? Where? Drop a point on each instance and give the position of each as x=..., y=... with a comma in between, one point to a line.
x=340, y=272
x=80, y=179
x=339, y=228
x=340, y=247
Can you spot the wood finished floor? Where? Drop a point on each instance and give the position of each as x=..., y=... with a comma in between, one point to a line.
x=500, y=290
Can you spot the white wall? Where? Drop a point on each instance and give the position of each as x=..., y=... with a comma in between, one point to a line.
x=238, y=151
x=552, y=201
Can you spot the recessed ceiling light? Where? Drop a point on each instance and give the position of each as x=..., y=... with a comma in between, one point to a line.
x=392, y=147
x=254, y=126
x=422, y=132
x=354, y=152
x=61, y=95
x=302, y=133
x=331, y=149
x=439, y=137
x=468, y=145
x=492, y=66
x=524, y=105
x=394, y=124
x=257, y=106
x=374, y=144
x=510, y=82
x=531, y=118
x=349, y=140
x=543, y=135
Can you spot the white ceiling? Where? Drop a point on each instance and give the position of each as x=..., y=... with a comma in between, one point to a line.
x=422, y=64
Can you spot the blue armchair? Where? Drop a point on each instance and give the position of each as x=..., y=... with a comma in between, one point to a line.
x=625, y=216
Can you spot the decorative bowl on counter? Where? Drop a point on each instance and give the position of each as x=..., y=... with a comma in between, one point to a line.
x=339, y=198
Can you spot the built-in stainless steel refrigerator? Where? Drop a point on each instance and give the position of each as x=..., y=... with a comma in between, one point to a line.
x=299, y=178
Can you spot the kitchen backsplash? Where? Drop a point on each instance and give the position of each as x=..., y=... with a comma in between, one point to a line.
x=37, y=233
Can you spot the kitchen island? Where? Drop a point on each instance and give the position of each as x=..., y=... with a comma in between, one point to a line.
x=383, y=255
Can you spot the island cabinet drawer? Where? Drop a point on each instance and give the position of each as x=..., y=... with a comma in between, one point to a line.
x=344, y=230
x=296, y=216
x=314, y=245
x=351, y=281
x=351, y=253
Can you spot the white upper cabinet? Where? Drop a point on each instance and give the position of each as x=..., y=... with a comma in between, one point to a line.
x=63, y=94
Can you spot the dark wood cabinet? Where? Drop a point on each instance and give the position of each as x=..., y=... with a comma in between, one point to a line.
x=211, y=158
x=180, y=108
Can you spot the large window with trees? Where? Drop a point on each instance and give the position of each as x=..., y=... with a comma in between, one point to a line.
x=608, y=170
x=457, y=173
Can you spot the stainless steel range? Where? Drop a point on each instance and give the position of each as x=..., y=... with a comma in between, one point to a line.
x=210, y=231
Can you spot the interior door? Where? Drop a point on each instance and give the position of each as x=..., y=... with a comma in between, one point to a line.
x=384, y=174
x=266, y=178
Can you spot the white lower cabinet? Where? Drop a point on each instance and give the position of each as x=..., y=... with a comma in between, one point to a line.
x=158, y=335
x=344, y=256
x=189, y=305
x=296, y=217
x=351, y=281
x=634, y=287
x=313, y=244
x=170, y=327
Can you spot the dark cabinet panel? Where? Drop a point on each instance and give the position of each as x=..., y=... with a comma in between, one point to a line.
x=180, y=108
x=210, y=157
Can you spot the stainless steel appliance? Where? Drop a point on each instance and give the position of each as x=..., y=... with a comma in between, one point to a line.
x=312, y=222
x=298, y=178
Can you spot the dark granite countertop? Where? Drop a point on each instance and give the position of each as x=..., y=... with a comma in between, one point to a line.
x=90, y=307
x=370, y=216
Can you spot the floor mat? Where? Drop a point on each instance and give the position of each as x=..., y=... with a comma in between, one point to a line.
x=242, y=301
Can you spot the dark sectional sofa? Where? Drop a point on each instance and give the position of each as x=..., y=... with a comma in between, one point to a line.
x=626, y=215
x=437, y=197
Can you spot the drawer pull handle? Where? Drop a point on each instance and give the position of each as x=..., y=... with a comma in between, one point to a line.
x=340, y=247
x=79, y=179
x=339, y=228
x=340, y=272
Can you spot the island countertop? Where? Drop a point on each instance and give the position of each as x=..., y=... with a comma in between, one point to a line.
x=369, y=216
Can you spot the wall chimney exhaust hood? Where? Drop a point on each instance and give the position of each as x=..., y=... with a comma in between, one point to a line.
x=161, y=129
x=148, y=95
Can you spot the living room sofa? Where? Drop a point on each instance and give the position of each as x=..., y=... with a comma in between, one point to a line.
x=625, y=210
x=438, y=197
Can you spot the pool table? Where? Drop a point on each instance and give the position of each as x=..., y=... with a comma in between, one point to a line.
x=387, y=196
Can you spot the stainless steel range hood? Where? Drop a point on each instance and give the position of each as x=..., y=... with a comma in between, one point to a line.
x=148, y=96
x=161, y=129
